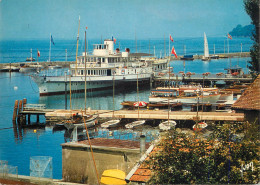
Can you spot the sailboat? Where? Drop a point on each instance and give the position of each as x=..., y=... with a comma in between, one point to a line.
x=30, y=58
x=114, y=122
x=138, y=122
x=206, y=49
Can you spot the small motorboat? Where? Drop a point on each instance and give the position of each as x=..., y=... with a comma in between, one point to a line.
x=200, y=126
x=78, y=121
x=110, y=123
x=134, y=124
x=167, y=125
x=30, y=59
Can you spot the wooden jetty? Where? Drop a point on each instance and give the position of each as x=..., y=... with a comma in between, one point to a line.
x=23, y=110
x=202, y=79
x=152, y=114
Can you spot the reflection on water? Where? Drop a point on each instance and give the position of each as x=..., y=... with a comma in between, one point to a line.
x=101, y=100
x=18, y=145
x=122, y=134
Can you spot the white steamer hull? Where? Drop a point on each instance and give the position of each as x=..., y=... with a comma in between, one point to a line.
x=56, y=85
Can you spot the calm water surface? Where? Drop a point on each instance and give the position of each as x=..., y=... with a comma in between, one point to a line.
x=17, y=146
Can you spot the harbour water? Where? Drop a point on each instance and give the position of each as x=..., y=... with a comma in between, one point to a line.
x=18, y=147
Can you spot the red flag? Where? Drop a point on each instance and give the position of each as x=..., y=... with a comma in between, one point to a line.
x=86, y=27
x=174, y=52
x=115, y=40
x=38, y=53
x=229, y=36
x=171, y=39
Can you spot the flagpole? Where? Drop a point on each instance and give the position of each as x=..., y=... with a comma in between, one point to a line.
x=164, y=46
x=169, y=47
x=50, y=49
x=76, y=71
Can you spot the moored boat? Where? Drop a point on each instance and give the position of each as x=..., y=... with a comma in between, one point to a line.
x=80, y=122
x=135, y=124
x=184, y=95
x=200, y=126
x=100, y=70
x=167, y=125
x=110, y=123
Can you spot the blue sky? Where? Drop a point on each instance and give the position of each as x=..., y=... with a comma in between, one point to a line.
x=36, y=19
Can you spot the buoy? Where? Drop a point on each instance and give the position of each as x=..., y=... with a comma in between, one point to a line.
x=34, y=130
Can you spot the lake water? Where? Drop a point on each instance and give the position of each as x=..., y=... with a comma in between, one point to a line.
x=17, y=146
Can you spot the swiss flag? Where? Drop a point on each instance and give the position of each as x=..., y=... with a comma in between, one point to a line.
x=38, y=53
x=171, y=39
x=174, y=52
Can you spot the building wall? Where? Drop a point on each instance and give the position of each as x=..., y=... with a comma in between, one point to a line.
x=78, y=165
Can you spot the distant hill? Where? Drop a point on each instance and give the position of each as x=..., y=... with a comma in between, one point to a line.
x=242, y=31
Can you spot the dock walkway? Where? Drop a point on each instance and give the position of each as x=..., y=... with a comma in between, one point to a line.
x=153, y=114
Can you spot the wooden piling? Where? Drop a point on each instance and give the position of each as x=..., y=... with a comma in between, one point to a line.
x=29, y=119
x=38, y=118
x=20, y=106
x=15, y=111
x=24, y=102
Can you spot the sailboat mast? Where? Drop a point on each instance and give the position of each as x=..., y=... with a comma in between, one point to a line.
x=85, y=73
x=50, y=49
x=77, y=48
x=113, y=115
x=137, y=95
x=169, y=47
x=164, y=46
x=31, y=54
x=169, y=96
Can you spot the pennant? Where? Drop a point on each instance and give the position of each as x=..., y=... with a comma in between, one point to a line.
x=115, y=40
x=52, y=40
x=38, y=53
x=174, y=52
x=229, y=36
x=171, y=39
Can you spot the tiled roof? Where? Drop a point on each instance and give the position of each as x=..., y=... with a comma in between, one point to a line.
x=114, y=143
x=250, y=99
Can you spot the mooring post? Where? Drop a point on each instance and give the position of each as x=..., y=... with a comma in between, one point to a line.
x=15, y=111
x=20, y=106
x=38, y=118
x=24, y=102
x=142, y=144
x=29, y=119
x=19, y=110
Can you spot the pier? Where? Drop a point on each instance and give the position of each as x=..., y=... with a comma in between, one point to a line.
x=208, y=80
x=22, y=110
x=151, y=114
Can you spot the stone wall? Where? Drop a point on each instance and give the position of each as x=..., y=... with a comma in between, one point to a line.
x=78, y=165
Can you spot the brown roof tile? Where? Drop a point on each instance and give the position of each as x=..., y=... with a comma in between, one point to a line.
x=250, y=99
x=114, y=143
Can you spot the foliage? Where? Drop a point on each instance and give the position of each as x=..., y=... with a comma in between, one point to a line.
x=241, y=31
x=194, y=159
x=252, y=9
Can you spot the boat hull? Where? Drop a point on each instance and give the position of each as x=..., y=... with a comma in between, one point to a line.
x=186, y=100
x=56, y=85
x=89, y=123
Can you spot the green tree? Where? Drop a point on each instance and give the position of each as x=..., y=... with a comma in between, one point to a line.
x=252, y=9
x=186, y=159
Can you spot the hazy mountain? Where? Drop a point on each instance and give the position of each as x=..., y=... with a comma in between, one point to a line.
x=242, y=31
